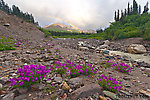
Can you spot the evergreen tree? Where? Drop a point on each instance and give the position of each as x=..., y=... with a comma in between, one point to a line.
x=146, y=8
x=135, y=7
x=118, y=15
x=125, y=12
x=131, y=11
x=139, y=9
x=16, y=11
x=121, y=15
x=128, y=8
x=115, y=16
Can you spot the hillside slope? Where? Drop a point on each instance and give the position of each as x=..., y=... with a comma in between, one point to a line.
x=129, y=27
x=18, y=28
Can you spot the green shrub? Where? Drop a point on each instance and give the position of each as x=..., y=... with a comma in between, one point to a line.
x=46, y=33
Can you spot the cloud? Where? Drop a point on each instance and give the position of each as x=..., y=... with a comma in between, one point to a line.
x=82, y=13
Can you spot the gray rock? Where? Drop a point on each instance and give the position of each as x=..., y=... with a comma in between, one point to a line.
x=75, y=82
x=111, y=95
x=1, y=85
x=106, y=42
x=9, y=96
x=85, y=91
x=105, y=52
x=21, y=97
x=58, y=79
x=126, y=78
x=39, y=86
x=102, y=47
x=126, y=93
x=83, y=48
x=136, y=48
x=22, y=90
x=6, y=24
x=142, y=68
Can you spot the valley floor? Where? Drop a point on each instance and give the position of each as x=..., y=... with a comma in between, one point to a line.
x=136, y=85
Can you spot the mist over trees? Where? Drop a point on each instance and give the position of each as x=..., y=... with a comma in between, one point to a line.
x=16, y=11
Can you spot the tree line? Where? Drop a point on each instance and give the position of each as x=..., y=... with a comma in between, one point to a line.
x=16, y=11
x=130, y=10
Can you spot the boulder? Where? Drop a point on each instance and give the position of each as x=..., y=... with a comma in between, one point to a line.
x=137, y=49
x=85, y=91
x=7, y=24
x=83, y=48
x=9, y=96
x=65, y=86
x=106, y=42
x=75, y=82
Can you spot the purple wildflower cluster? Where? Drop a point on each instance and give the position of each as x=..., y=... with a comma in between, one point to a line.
x=28, y=75
x=109, y=83
x=46, y=46
x=121, y=67
x=73, y=69
x=57, y=50
x=22, y=43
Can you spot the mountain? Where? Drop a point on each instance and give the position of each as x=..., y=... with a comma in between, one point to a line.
x=61, y=27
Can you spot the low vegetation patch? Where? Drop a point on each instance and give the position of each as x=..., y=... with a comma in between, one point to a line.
x=74, y=70
x=6, y=44
x=121, y=67
x=28, y=75
x=109, y=83
x=46, y=33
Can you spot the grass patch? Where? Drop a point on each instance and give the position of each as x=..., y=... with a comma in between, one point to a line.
x=6, y=44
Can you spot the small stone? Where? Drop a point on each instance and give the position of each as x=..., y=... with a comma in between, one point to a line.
x=35, y=98
x=58, y=79
x=126, y=78
x=48, y=81
x=102, y=98
x=70, y=90
x=64, y=97
x=106, y=52
x=2, y=92
x=142, y=68
x=29, y=95
x=126, y=93
x=145, y=92
x=111, y=95
x=86, y=61
x=65, y=86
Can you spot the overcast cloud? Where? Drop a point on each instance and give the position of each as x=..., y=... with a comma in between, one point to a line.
x=81, y=13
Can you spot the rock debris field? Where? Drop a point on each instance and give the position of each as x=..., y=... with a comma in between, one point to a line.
x=65, y=62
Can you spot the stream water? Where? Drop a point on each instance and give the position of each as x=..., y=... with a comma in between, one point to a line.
x=135, y=57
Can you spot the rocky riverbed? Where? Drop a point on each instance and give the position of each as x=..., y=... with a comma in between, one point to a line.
x=136, y=85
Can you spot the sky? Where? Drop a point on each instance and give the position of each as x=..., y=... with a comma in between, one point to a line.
x=85, y=14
